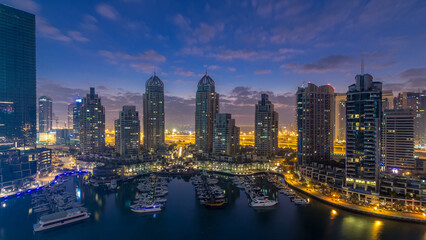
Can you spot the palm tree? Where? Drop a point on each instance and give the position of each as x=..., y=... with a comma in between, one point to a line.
x=354, y=198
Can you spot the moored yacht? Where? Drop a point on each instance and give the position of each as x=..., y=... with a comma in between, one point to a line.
x=142, y=208
x=262, y=202
x=61, y=218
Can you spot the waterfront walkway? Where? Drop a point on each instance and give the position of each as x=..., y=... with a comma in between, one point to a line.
x=382, y=213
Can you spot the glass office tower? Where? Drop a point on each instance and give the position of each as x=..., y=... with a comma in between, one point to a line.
x=363, y=133
x=18, y=75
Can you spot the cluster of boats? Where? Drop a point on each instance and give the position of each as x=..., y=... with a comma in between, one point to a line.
x=209, y=194
x=152, y=195
x=257, y=198
x=54, y=198
x=56, y=207
x=286, y=190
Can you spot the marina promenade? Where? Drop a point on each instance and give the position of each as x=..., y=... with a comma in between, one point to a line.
x=382, y=213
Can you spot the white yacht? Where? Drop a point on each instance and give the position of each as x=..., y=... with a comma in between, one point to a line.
x=301, y=201
x=262, y=202
x=61, y=218
x=113, y=184
x=141, y=208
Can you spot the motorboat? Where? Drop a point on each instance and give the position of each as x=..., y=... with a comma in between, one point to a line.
x=142, y=208
x=262, y=203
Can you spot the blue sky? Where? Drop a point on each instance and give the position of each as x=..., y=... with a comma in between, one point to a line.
x=248, y=47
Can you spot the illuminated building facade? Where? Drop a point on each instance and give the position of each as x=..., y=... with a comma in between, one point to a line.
x=45, y=114
x=92, y=124
x=76, y=111
x=398, y=140
x=153, y=113
x=417, y=102
x=363, y=133
x=16, y=168
x=206, y=108
x=18, y=76
x=388, y=100
x=226, y=135
x=127, y=132
x=339, y=116
x=266, y=127
x=315, y=121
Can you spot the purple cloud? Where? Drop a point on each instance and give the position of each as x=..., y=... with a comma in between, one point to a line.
x=107, y=11
x=203, y=33
x=413, y=73
x=262, y=71
x=77, y=36
x=48, y=31
x=181, y=72
x=145, y=67
x=326, y=64
x=89, y=23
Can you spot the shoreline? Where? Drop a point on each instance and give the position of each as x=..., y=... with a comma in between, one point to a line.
x=323, y=199
x=356, y=209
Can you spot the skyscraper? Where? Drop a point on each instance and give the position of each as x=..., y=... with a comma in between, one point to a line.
x=266, y=127
x=127, y=132
x=226, y=135
x=92, y=124
x=315, y=121
x=388, y=100
x=153, y=113
x=70, y=119
x=363, y=133
x=417, y=102
x=398, y=139
x=18, y=75
x=76, y=116
x=339, y=116
x=45, y=114
x=206, y=108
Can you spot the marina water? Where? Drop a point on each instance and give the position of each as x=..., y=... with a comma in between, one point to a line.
x=184, y=218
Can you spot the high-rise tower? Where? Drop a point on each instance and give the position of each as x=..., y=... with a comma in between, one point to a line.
x=398, y=139
x=92, y=124
x=206, y=108
x=363, y=133
x=266, y=127
x=226, y=134
x=76, y=112
x=417, y=102
x=127, y=132
x=339, y=116
x=153, y=113
x=45, y=114
x=315, y=121
x=18, y=76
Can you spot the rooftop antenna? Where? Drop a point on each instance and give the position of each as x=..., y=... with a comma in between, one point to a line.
x=362, y=63
x=155, y=68
x=206, y=71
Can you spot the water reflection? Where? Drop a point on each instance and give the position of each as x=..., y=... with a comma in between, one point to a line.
x=377, y=229
x=355, y=227
x=184, y=218
x=333, y=214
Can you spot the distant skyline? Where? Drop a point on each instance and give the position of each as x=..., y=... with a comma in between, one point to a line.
x=248, y=47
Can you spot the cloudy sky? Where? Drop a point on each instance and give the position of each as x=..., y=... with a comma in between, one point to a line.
x=248, y=47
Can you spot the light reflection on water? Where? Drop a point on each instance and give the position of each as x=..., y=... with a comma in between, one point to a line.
x=184, y=218
x=377, y=228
